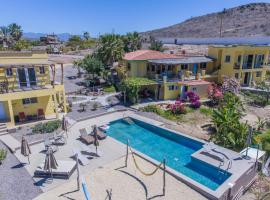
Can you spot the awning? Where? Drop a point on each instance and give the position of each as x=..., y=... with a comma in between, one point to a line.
x=184, y=60
x=25, y=64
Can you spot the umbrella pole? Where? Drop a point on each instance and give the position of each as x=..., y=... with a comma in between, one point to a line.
x=28, y=160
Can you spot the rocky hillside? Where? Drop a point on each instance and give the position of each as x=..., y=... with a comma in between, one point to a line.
x=243, y=21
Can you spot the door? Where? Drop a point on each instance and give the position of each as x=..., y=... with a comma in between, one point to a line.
x=246, y=78
x=2, y=112
x=32, y=77
x=184, y=90
x=22, y=77
x=195, y=68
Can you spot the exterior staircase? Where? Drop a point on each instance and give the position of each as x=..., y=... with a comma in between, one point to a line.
x=3, y=129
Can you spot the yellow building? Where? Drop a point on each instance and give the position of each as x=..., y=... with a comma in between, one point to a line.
x=247, y=63
x=174, y=75
x=28, y=91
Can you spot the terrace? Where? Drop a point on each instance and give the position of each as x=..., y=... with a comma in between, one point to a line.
x=105, y=170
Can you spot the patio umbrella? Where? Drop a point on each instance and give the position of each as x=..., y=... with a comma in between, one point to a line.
x=50, y=161
x=64, y=125
x=25, y=149
x=96, y=142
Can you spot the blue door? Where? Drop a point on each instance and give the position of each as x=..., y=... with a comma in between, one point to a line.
x=2, y=111
x=195, y=69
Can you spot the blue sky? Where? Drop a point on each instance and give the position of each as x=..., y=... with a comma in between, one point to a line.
x=103, y=16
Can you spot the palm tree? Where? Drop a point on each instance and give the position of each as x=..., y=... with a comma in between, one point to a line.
x=110, y=49
x=15, y=31
x=5, y=36
x=156, y=45
x=132, y=41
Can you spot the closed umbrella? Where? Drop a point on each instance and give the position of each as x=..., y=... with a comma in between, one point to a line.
x=64, y=125
x=50, y=161
x=25, y=149
x=96, y=142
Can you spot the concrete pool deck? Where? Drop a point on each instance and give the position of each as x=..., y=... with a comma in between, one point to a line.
x=111, y=151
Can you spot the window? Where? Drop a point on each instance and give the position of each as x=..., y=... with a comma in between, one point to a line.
x=227, y=59
x=203, y=65
x=148, y=67
x=258, y=74
x=153, y=68
x=9, y=72
x=236, y=75
x=184, y=66
x=41, y=70
x=239, y=59
x=194, y=89
x=169, y=68
x=171, y=87
x=163, y=68
x=128, y=66
x=29, y=100
x=259, y=60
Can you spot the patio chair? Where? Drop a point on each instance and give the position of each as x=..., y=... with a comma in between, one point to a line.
x=40, y=114
x=48, y=143
x=100, y=134
x=85, y=137
x=59, y=139
x=64, y=170
x=84, y=161
x=22, y=117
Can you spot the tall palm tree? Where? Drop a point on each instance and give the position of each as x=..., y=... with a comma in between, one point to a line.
x=15, y=31
x=132, y=41
x=110, y=49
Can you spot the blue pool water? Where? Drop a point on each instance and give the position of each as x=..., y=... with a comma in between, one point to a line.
x=159, y=143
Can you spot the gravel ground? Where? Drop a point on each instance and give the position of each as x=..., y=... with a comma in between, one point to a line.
x=15, y=182
x=25, y=131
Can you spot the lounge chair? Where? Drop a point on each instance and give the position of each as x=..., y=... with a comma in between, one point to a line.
x=100, y=134
x=59, y=139
x=85, y=137
x=64, y=170
x=83, y=160
x=48, y=143
x=265, y=168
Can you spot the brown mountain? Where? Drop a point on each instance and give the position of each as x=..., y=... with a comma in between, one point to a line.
x=243, y=21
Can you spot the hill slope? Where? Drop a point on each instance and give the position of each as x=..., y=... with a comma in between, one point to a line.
x=247, y=20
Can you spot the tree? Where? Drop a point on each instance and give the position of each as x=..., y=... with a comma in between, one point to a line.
x=5, y=36
x=86, y=35
x=78, y=64
x=15, y=31
x=92, y=65
x=110, y=49
x=74, y=42
x=229, y=131
x=21, y=44
x=156, y=45
x=132, y=41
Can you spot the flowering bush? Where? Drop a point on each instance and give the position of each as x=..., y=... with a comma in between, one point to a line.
x=214, y=93
x=178, y=107
x=194, y=99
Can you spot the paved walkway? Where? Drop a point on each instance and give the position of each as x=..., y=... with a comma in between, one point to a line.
x=100, y=99
x=11, y=142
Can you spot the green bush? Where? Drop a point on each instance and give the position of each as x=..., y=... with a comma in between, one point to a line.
x=109, y=88
x=3, y=155
x=206, y=111
x=47, y=127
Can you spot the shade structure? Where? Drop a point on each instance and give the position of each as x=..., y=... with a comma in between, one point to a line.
x=25, y=149
x=50, y=161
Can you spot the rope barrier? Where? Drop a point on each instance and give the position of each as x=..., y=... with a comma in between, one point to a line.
x=137, y=166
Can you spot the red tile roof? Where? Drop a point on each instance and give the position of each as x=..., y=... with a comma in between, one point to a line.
x=147, y=55
x=194, y=82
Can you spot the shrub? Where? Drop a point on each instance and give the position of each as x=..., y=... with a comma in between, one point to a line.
x=214, y=93
x=47, y=127
x=3, y=155
x=178, y=108
x=194, y=99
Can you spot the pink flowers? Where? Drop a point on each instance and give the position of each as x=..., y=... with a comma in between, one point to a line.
x=214, y=93
x=178, y=107
x=194, y=99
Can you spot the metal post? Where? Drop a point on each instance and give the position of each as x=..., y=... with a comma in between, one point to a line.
x=164, y=178
x=78, y=172
x=127, y=154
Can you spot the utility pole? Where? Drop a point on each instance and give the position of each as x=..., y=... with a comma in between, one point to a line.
x=221, y=22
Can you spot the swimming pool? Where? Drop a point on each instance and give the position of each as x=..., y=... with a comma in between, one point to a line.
x=159, y=143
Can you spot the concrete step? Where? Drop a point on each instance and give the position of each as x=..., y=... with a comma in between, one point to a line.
x=3, y=129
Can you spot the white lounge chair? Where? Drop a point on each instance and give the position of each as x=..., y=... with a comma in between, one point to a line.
x=64, y=170
x=84, y=161
x=265, y=169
